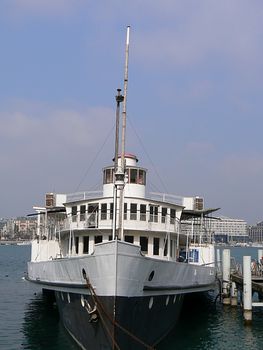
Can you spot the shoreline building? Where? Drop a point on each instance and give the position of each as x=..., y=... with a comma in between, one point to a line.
x=228, y=230
x=255, y=232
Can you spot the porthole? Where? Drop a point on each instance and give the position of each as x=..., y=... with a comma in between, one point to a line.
x=68, y=298
x=82, y=300
x=167, y=300
x=150, y=302
x=151, y=276
x=174, y=299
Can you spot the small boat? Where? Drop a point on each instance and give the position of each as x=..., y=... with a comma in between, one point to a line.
x=111, y=258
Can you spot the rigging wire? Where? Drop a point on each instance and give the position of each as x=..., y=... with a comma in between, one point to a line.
x=95, y=158
x=148, y=156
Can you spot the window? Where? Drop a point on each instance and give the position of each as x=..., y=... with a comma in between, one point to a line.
x=77, y=244
x=153, y=213
x=103, y=211
x=142, y=177
x=172, y=216
x=86, y=245
x=82, y=212
x=133, y=176
x=110, y=237
x=129, y=239
x=98, y=239
x=164, y=213
x=144, y=244
x=92, y=214
x=143, y=212
x=156, y=245
x=108, y=176
x=125, y=211
x=74, y=211
x=111, y=211
x=165, y=247
x=133, y=213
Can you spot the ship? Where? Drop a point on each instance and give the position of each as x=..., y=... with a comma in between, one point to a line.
x=118, y=261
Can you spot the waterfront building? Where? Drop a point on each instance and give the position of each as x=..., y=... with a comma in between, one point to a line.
x=256, y=232
x=229, y=229
x=19, y=228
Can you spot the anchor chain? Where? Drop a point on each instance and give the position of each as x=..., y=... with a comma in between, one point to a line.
x=101, y=309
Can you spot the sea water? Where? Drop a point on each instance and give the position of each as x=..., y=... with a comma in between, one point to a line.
x=29, y=321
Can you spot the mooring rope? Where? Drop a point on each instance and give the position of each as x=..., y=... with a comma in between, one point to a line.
x=114, y=322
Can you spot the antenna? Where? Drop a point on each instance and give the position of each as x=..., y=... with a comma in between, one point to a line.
x=125, y=98
x=122, y=170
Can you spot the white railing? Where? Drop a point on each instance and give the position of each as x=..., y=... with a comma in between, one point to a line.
x=78, y=196
x=164, y=197
x=135, y=221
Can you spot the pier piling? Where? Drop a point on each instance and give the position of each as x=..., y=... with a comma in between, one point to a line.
x=233, y=293
x=260, y=255
x=226, y=277
x=247, y=290
x=218, y=261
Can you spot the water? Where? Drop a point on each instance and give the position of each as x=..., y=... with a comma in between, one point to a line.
x=28, y=321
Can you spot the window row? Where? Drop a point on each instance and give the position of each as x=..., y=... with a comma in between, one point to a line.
x=133, y=212
x=143, y=241
x=134, y=176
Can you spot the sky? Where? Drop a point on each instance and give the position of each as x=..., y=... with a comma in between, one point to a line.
x=194, y=102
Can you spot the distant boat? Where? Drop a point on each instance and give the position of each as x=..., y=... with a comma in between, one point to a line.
x=24, y=243
x=111, y=258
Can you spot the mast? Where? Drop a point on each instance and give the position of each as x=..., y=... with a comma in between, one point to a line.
x=125, y=98
x=119, y=99
x=123, y=135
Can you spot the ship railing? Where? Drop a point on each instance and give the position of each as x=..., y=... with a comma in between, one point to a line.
x=81, y=221
x=78, y=196
x=165, y=197
x=132, y=221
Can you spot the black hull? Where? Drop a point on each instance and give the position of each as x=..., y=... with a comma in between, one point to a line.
x=147, y=318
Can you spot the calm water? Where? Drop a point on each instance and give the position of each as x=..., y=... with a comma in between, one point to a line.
x=27, y=321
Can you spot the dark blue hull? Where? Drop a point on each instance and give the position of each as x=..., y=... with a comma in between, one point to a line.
x=138, y=321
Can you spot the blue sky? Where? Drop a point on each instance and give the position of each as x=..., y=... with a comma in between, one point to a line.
x=194, y=98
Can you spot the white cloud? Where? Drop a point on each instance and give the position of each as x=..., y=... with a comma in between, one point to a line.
x=194, y=33
x=51, y=152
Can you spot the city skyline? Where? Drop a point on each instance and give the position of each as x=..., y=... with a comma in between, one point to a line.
x=193, y=109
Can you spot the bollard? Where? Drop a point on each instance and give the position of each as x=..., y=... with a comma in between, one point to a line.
x=226, y=277
x=233, y=293
x=247, y=290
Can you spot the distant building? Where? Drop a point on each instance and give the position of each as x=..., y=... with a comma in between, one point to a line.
x=256, y=232
x=19, y=228
x=227, y=229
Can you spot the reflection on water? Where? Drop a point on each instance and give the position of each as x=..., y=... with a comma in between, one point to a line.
x=29, y=322
x=42, y=329
x=207, y=325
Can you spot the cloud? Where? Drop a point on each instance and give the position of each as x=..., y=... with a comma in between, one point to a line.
x=52, y=151
x=190, y=34
x=246, y=168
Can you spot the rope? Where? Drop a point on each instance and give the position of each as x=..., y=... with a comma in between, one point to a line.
x=114, y=322
x=97, y=302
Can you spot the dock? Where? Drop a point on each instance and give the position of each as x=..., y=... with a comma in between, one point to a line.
x=244, y=280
